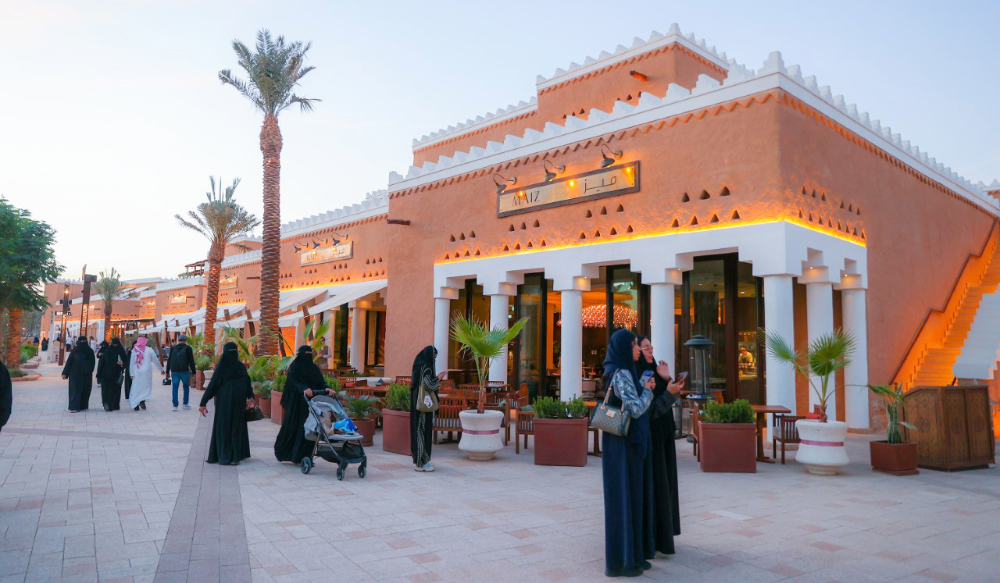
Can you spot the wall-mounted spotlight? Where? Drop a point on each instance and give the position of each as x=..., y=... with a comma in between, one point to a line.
x=638, y=75
x=610, y=157
x=502, y=182
x=551, y=170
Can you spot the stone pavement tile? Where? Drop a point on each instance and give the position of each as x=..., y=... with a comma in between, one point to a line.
x=44, y=566
x=15, y=561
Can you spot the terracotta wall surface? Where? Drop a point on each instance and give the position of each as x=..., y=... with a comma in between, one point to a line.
x=195, y=300
x=247, y=288
x=54, y=295
x=918, y=236
x=669, y=64
x=721, y=151
x=369, y=260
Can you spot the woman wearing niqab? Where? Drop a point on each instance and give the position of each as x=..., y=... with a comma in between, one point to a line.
x=230, y=387
x=667, y=523
x=79, y=370
x=110, y=366
x=626, y=465
x=422, y=423
x=304, y=380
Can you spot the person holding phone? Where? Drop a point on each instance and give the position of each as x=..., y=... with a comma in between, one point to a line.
x=422, y=414
x=667, y=518
x=626, y=464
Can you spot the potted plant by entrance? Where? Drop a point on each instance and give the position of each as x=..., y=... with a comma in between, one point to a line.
x=894, y=456
x=481, y=428
x=396, y=419
x=728, y=439
x=202, y=364
x=277, y=389
x=561, y=430
x=822, y=449
x=262, y=391
x=362, y=411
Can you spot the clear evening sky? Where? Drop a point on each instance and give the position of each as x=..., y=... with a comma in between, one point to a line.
x=112, y=116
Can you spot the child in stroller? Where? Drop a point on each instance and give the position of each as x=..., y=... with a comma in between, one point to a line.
x=337, y=440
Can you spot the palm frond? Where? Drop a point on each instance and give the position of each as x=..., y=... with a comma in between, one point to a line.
x=830, y=353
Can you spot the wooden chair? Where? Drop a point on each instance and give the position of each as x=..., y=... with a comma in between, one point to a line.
x=448, y=384
x=498, y=401
x=406, y=380
x=446, y=418
x=525, y=426
x=783, y=431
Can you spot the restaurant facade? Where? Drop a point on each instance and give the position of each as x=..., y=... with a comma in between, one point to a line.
x=661, y=188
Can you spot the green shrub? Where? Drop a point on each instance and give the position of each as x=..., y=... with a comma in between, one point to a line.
x=738, y=411
x=262, y=388
x=278, y=384
x=203, y=362
x=16, y=373
x=552, y=408
x=578, y=408
x=397, y=398
x=30, y=350
x=333, y=382
x=360, y=407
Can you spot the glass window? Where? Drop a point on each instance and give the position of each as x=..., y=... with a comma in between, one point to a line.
x=595, y=326
x=707, y=312
x=530, y=366
x=624, y=300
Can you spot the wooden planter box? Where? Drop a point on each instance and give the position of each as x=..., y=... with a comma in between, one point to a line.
x=561, y=442
x=276, y=411
x=366, y=427
x=954, y=427
x=728, y=447
x=396, y=431
x=898, y=459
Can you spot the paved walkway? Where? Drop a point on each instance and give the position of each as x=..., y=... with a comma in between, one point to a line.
x=124, y=497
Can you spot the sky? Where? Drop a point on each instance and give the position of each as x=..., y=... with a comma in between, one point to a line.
x=112, y=117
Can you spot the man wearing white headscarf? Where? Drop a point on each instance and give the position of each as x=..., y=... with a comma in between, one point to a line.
x=142, y=360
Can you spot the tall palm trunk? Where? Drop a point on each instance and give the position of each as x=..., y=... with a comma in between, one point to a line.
x=108, y=308
x=270, y=147
x=215, y=256
x=13, y=356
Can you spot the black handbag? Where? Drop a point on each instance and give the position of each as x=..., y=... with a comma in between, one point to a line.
x=254, y=414
x=166, y=381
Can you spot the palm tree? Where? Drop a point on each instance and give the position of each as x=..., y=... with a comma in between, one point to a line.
x=110, y=287
x=273, y=70
x=483, y=344
x=825, y=356
x=220, y=220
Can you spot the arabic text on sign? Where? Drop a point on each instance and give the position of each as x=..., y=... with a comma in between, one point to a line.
x=617, y=180
x=324, y=254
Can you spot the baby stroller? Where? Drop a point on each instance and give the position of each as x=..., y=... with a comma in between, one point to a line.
x=343, y=449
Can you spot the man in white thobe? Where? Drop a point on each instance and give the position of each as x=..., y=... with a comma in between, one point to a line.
x=142, y=360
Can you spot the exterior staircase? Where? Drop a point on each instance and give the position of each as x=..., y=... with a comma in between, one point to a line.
x=939, y=344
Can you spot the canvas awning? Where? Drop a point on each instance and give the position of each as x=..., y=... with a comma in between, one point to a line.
x=293, y=300
x=339, y=295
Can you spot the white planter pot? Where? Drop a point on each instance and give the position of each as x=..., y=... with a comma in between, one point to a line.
x=208, y=375
x=481, y=434
x=822, y=450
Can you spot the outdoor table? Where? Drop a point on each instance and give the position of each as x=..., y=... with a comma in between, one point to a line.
x=761, y=411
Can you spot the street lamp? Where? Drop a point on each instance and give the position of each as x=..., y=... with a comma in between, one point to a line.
x=65, y=310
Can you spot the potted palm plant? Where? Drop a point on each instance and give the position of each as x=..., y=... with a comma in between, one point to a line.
x=560, y=432
x=363, y=411
x=821, y=450
x=728, y=438
x=481, y=428
x=203, y=364
x=894, y=456
x=396, y=419
x=262, y=392
x=277, y=389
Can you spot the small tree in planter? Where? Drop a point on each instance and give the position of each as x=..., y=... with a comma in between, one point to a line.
x=277, y=389
x=481, y=428
x=894, y=456
x=362, y=411
x=396, y=419
x=560, y=432
x=822, y=448
x=728, y=438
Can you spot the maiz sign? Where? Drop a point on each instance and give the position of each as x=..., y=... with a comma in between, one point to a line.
x=336, y=252
x=228, y=282
x=572, y=189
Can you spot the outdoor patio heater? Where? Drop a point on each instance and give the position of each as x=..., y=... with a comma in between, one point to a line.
x=700, y=371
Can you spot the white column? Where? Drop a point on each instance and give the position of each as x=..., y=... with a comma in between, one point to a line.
x=855, y=317
x=779, y=316
x=442, y=329
x=819, y=319
x=359, y=316
x=571, y=366
x=661, y=311
x=498, y=318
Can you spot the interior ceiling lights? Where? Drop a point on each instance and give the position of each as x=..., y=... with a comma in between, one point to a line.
x=596, y=316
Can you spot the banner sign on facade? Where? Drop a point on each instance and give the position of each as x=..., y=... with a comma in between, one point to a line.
x=228, y=282
x=180, y=298
x=336, y=252
x=622, y=179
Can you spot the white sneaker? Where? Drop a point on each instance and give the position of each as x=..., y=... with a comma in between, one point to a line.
x=428, y=467
x=175, y=408
x=187, y=406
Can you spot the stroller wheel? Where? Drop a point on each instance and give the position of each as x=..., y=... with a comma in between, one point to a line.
x=340, y=473
x=362, y=470
x=307, y=465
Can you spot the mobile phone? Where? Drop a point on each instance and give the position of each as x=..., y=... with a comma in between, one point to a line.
x=682, y=377
x=645, y=377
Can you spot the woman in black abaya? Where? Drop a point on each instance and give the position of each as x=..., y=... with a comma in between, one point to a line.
x=304, y=380
x=421, y=423
x=667, y=520
x=79, y=370
x=230, y=387
x=627, y=466
x=110, y=366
